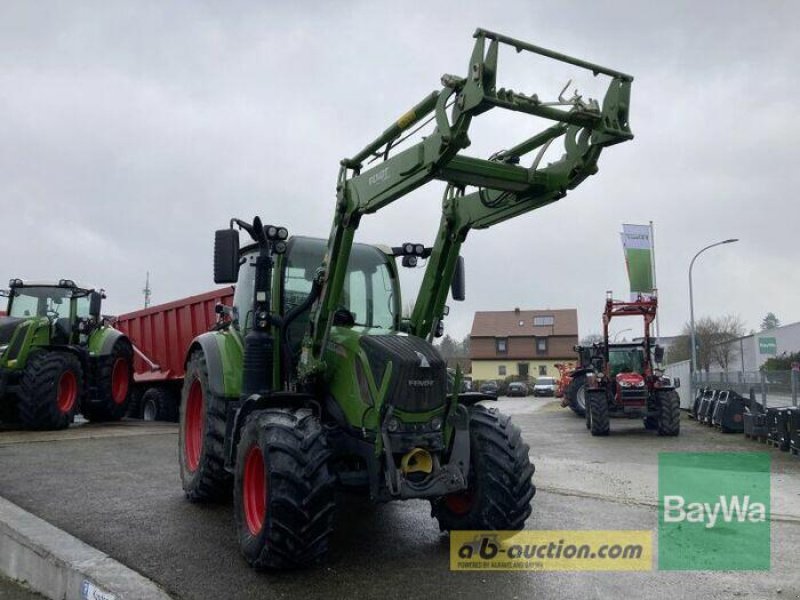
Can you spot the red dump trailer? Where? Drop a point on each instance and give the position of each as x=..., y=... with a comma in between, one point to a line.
x=161, y=336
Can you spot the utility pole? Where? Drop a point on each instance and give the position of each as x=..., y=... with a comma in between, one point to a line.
x=146, y=291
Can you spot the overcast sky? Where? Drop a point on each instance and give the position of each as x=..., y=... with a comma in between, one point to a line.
x=130, y=131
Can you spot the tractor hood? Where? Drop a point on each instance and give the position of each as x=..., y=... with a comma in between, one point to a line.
x=630, y=380
x=418, y=380
x=8, y=325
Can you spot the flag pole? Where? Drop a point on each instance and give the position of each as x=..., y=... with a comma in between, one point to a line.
x=653, y=269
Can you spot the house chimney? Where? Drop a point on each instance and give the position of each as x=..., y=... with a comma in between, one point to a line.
x=516, y=311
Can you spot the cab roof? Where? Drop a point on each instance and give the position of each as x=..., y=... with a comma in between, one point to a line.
x=60, y=283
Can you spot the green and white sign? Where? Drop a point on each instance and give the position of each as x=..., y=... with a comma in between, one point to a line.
x=714, y=511
x=638, y=248
x=768, y=345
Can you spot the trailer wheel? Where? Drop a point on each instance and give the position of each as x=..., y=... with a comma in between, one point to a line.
x=159, y=404
x=51, y=387
x=576, y=394
x=283, y=492
x=598, y=423
x=114, y=385
x=500, y=489
x=669, y=413
x=202, y=435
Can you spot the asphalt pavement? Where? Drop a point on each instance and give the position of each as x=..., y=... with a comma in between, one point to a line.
x=117, y=488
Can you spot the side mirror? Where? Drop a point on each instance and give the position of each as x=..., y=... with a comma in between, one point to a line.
x=5, y=293
x=658, y=354
x=457, y=288
x=676, y=382
x=226, y=256
x=95, y=304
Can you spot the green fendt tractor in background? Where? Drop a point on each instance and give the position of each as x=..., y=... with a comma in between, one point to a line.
x=313, y=378
x=58, y=357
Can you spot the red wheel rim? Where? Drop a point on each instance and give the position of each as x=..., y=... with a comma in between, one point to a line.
x=254, y=492
x=193, y=431
x=120, y=379
x=460, y=503
x=67, y=391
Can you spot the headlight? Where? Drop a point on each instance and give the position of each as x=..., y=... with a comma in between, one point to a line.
x=393, y=425
x=640, y=384
x=436, y=423
x=3, y=348
x=624, y=384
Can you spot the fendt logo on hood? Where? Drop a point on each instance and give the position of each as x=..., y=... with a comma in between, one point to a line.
x=423, y=361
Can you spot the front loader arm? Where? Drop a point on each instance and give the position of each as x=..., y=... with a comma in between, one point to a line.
x=504, y=189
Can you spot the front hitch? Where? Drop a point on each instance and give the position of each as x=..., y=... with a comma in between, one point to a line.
x=444, y=479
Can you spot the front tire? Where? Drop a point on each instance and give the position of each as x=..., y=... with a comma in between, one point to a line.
x=500, y=487
x=576, y=394
x=599, y=423
x=202, y=435
x=114, y=385
x=669, y=413
x=283, y=491
x=51, y=387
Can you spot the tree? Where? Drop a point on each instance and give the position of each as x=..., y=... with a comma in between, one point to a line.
x=592, y=338
x=729, y=328
x=713, y=337
x=770, y=321
x=448, y=347
x=465, y=346
x=781, y=363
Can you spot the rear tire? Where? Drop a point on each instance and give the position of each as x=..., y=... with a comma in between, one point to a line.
x=576, y=394
x=115, y=381
x=669, y=417
x=202, y=436
x=159, y=404
x=599, y=423
x=283, y=492
x=500, y=487
x=50, y=390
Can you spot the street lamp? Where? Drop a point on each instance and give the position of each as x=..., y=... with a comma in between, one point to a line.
x=623, y=331
x=691, y=305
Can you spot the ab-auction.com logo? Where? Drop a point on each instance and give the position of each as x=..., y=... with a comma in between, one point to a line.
x=580, y=550
x=714, y=511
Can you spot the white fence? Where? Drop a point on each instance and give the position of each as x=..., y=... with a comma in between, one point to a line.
x=682, y=370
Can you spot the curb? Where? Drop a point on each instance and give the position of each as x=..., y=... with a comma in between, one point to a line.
x=62, y=567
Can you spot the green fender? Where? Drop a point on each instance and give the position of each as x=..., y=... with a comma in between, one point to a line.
x=102, y=340
x=224, y=356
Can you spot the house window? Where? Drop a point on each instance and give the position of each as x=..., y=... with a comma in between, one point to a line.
x=542, y=370
x=544, y=321
x=501, y=370
x=502, y=345
x=541, y=345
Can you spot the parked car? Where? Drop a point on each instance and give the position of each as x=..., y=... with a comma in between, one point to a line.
x=489, y=387
x=517, y=388
x=545, y=386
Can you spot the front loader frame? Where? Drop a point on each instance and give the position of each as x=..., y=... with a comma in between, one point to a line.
x=504, y=188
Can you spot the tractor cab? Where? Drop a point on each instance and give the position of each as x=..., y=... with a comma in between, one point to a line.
x=627, y=368
x=71, y=309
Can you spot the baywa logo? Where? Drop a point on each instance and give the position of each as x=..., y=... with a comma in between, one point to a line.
x=714, y=511
x=730, y=509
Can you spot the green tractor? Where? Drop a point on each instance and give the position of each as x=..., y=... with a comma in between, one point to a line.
x=58, y=357
x=313, y=379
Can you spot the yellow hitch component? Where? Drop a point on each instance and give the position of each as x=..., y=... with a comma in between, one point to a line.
x=417, y=461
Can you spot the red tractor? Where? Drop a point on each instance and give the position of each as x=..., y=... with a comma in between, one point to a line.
x=624, y=381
